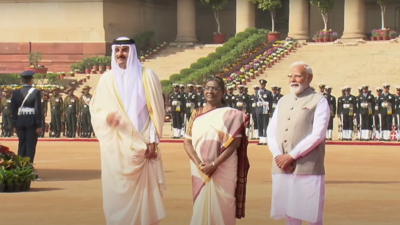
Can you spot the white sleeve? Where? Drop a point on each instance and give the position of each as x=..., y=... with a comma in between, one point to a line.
x=271, y=135
x=318, y=134
x=153, y=135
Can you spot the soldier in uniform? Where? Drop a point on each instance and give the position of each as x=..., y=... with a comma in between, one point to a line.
x=182, y=90
x=364, y=113
x=332, y=105
x=360, y=92
x=230, y=98
x=177, y=101
x=339, y=113
x=386, y=103
x=26, y=107
x=264, y=103
x=275, y=99
x=191, y=101
x=242, y=103
x=71, y=106
x=397, y=112
x=377, y=118
x=253, y=106
x=57, y=109
x=44, y=102
x=321, y=88
x=5, y=111
x=348, y=111
x=85, y=113
x=279, y=92
x=201, y=101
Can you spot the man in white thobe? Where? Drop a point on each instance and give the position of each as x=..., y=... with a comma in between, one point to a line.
x=296, y=139
x=127, y=112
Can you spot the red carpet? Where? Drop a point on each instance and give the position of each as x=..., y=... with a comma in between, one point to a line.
x=380, y=143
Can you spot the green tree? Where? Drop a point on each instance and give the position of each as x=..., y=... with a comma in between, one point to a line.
x=216, y=6
x=382, y=4
x=272, y=6
x=324, y=7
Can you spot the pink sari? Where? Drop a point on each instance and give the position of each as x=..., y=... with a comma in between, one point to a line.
x=221, y=198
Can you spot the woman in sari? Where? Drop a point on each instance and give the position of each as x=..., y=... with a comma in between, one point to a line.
x=216, y=143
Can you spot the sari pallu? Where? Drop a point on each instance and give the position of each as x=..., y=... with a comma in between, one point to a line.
x=220, y=199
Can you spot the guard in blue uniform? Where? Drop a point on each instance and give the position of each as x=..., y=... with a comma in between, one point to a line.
x=263, y=111
x=26, y=114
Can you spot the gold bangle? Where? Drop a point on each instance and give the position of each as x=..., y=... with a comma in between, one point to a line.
x=213, y=164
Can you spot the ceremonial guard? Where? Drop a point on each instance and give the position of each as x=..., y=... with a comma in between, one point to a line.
x=339, y=113
x=191, y=102
x=230, y=98
x=332, y=105
x=386, y=102
x=348, y=112
x=242, y=103
x=44, y=102
x=177, y=101
x=397, y=112
x=71, y=106
x=85, y=112
x=57, y=110
x=365, y=106
x=264, y=103
x=253, y=106
x=183, y=109
x=377, y=118
x=26, y=110
x=5, y=110
x=275, y=98
x=360, y=92
x=321, y=88
x=201, y=101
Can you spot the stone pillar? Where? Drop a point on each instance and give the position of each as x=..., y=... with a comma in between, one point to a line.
x=298, y=19
x=245, y=15
x=354, y=19
x=186, y=18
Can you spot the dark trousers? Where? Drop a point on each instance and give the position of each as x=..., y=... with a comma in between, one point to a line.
x=386, y=122
x=366, y=122
x=347, y=122
x=262, y=121
x=71, y=122
x=27, y=140
x=330, y=124
x=56, y=121
x=6, y=120
x=188, y=115
x=254, y=117
x=43, y=126
x=176, y=120
x=86, y=121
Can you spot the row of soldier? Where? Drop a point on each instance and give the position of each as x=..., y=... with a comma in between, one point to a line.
x=365, y=116
x=69, y=116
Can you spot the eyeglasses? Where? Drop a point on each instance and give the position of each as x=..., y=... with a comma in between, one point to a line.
x=212, y=89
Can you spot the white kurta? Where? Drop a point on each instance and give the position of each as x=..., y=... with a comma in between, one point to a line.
x=299, y=196
x=132, y=185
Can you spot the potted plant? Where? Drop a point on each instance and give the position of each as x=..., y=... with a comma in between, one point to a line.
x=2, y=179
x=392, y=34
x=272, y=6
x=324, y=7
x=383, y=31
x=34, y=58
x=216, y=6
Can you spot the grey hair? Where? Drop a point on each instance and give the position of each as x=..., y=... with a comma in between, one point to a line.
x=306, y=67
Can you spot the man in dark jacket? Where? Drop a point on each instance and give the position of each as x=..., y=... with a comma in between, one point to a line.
x=26, y=114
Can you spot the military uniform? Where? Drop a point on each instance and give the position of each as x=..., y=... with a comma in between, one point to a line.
x=190, y=102
x=182, y=90
x=358, y=116
x=365, y=111
x=348, y=111
x=263, y=107
x=44, y=102
x=332, y=107
x=339, y=114
x=201, y=101
x=26, y=116
x=230, y=98
x=377, y=119
x=386, y=103
x=5, y=111
x=71, y=106
x=253, y=105
x=275, y=99
x=177, y=101
x=397, y=112
x=57, y=110
x=86, y=120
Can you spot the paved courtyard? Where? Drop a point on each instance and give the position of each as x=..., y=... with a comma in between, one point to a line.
x=362, y=187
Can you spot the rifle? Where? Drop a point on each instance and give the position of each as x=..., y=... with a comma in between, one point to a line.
x=64, y=127
x=79, y=126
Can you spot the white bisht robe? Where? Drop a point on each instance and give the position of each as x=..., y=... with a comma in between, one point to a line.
x=132, y=185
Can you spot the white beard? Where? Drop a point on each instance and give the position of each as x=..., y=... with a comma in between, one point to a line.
x=297, y=90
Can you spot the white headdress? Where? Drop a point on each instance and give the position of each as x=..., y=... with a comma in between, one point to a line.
x=129, y=82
